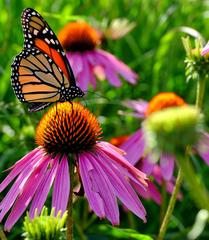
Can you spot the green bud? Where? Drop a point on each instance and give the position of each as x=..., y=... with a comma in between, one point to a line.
x=197, y=66
x=171, y=130
x=45, y=227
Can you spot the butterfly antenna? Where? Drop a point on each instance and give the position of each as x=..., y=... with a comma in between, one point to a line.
x=98, y=95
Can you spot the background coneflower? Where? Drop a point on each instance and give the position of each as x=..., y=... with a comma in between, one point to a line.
x=81, y=42
x=69, y=129
x=135, y=144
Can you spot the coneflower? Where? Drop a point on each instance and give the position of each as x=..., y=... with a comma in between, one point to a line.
x=135, y=144
x=81, y=42
x=69, y=135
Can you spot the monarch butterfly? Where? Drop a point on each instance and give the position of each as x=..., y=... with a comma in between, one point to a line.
x=41, y=73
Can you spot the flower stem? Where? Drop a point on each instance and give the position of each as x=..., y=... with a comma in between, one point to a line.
x=197, y=189
x=171, y=205
x=164, y=201
x=2, y=235
x=200, y=92
x=69, y=222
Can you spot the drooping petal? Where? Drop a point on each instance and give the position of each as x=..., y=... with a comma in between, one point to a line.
x=76, y=62
x=109, y=69
x=121, y=185
x=203, y=147
x=151, y=192
x=167, y=165
x=154, y=192
x=84, y=76
x=94, y=198
x=134, y=147
x=147, y=164
x=139, y=107
x=133, y=173
x=44, y=187
x=119, y=66
x=61, y=187
x=18, y=187
x=20, y=165
x=26, y=195
x=91, y=66
x=101, y=184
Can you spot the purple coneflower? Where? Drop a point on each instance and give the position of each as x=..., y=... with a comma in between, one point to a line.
x=81, y=43
x=152, y=170
x=135, y=144
x=70, y=129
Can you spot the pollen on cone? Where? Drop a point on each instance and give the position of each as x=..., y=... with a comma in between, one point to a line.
x=78, y=36
x=67, y=128
x=164, y=100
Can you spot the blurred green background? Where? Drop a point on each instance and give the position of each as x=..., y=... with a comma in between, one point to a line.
x=153, y=49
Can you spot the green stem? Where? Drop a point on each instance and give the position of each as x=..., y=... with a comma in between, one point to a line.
x=131, y=221
x=200, y=92
x=170, y=206
x=197, y=189
x=164, y=201
x=69, y=222
x=2, y=235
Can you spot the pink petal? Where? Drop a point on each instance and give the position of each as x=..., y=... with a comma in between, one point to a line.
x=116, y=158
x=154, y=193
x=167, y=165
x=94, y=198
x=26, y=195
x=134, y=147
x=18, y=187
x=203, y=147
x=61, y=187
x=147, y=165
x=139, y=106
x=109, y=69
x=84, y=76
x=44, y=187
x=76, y=62
x=151, y=193
x=101, y=184
x=121, y=185
x=88, y=55
x=119, y=67
x=20, y=165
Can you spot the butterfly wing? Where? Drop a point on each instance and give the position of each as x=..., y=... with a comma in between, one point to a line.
x=38, y=34
x=36, y=78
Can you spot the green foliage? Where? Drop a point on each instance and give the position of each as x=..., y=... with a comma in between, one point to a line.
x=122, y=234
x=45, y=227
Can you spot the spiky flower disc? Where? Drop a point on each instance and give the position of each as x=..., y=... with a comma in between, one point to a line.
x=68, y=128
x=79, y=36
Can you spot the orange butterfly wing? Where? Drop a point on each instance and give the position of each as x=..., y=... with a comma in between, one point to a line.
x=38, y=34
x=36, y=78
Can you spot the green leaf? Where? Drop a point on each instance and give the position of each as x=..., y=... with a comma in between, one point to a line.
x=120, y=233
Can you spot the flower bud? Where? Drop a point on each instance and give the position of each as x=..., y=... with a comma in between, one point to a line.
x=45, y=226
x=197, y=66
x=172, y=129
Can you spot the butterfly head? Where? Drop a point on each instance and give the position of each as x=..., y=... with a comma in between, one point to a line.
x=73, y=92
